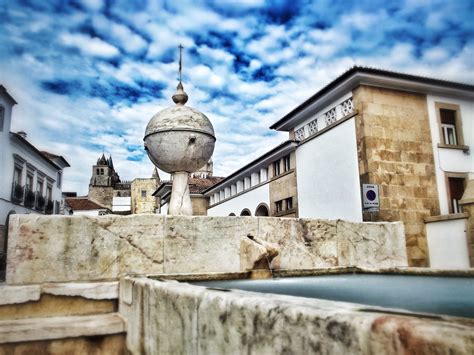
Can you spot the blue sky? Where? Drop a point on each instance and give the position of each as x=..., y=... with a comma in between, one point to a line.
x=88, y=75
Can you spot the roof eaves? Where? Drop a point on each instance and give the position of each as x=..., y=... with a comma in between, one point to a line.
x=36, y=150
x=349, y=74
x=254, y=162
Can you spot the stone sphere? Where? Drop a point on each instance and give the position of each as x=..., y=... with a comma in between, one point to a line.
x=179, y=138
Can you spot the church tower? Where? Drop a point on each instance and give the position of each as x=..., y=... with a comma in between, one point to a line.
x=103, y=181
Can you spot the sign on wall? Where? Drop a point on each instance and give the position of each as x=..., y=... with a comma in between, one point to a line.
x=370, y=197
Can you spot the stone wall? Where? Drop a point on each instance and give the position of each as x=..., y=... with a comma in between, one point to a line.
x=178, y=318
x=200, y=205
x=102, y=195
x=395, y=151
x=147, y=203
x=282, y=187
x=74, y=248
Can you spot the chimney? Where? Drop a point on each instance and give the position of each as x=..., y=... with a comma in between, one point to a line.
x=22, y=134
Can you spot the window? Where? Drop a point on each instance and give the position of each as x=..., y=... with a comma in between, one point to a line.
x=101, y=171
x=39, y=186
x=279, y=206
x=17, y=172
x=59, y=179
x=49, y=192
x=97, y=171
x=289, y=203
x=2, y=117
x=276, y=168
x=456, y=190
x=448, y=126
x=286, y=163
x=143, y=193
x=29, y=181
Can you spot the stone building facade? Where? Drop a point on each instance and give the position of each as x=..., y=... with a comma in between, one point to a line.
x=142, y=199
x=106, y=188
x=409, y=136
x=395, y=152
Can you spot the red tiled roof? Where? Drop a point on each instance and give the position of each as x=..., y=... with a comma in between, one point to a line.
x=82, y=204
x=52, y=156
x=198, y=185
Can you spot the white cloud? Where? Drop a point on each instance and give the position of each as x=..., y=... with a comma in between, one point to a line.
x=122, y=35
x=90, y=45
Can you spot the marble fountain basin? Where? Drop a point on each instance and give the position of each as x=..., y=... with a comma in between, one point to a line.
x=445, y=295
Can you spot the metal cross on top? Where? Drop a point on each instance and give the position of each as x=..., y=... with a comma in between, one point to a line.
x=180, y=60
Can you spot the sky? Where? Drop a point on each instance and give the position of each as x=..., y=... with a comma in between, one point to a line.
x=88, y=74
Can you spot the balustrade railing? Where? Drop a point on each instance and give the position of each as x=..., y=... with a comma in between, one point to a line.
x=29, y=197
x=18, y=192
x=40, y=203
x=325, y=120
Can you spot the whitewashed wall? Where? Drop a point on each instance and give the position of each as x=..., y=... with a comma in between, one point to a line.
x=328, y=175
x=250, y=200
x=451, y=160
x=447, y=244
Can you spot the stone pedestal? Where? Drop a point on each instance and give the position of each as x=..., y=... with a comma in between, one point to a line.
x=180, y=202
x=467, y=203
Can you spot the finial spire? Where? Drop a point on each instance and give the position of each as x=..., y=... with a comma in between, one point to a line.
x=180, y=97
x=180, y=60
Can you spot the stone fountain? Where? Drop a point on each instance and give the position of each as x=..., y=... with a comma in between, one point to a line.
x=179, y=140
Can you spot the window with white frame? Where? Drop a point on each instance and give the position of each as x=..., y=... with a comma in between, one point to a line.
x=448, y=126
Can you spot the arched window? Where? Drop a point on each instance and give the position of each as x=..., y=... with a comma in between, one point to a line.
x=232, y=214
x=245, y=212
x=262, y=210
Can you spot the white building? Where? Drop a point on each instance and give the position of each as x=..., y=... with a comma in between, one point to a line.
x=83, y=206
x=30, y=179
x=405, y=136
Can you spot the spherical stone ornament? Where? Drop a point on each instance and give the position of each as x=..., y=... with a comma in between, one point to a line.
x=179, y=138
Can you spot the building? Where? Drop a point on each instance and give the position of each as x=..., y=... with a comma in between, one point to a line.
x=198, y=182
x=84, y=206
x=30, y=179
x=142, y=189
x=405, y=138
x=106, y=188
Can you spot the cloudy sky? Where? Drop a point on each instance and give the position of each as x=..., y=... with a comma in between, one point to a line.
x=88, y=74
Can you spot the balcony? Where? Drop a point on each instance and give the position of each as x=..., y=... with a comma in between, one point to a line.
x=49, y=207
x=18, y=192
x=40, y=202
x=29, y=197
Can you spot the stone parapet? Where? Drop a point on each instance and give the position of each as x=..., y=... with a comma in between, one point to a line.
x=82, y=248
x=167, y=317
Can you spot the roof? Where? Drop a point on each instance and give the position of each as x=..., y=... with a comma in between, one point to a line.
x=82, y=204
x=54, y=157
x=41, y=154
x=198, y=185
x=273, y=154
x=369, y=71
x=4, y=91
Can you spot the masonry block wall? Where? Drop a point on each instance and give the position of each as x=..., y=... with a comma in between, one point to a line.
x=102, y=195
x=395, y=151
x=142, y=199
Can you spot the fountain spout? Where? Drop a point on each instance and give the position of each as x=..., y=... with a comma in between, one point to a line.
x=256, y=256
